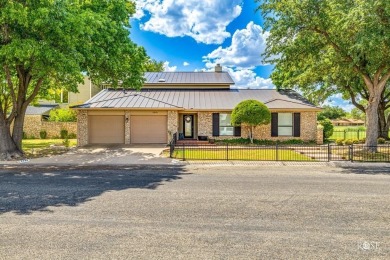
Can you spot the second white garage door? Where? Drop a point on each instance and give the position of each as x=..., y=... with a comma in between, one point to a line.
x=148, y=129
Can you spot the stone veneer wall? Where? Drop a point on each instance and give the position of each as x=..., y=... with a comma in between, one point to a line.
x=173, y=124
x=33, y=124
x=127, y=127
x=308, y=128
x=205, y=124
x=82, y=129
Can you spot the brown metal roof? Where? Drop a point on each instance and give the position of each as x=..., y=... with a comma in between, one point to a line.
x=188, y=78
x=201, y=99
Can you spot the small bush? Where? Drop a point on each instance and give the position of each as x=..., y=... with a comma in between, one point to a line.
x=362, y=141
x=328, y=128
x=355, y=141
x=24, y=135
x=64, y=133
x=72, y=136
x=43, y=134
x=348, y=142
x=66, y=142
x=339, y=141
x=381, y=140
x=32, y=137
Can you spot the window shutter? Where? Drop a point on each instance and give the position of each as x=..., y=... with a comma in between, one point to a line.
x=297, y=124
x=274, y=124
x=237, y=131
x=215, y=124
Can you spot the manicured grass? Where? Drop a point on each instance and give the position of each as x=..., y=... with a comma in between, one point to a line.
x=44, y=143
x=348, y=132
x=240, y=154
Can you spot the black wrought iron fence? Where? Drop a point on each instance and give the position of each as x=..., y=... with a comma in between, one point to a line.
x=303, y=153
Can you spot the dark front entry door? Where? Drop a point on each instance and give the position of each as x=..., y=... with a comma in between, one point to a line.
x=188, y=126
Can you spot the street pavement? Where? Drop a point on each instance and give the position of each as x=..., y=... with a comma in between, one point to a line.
x=194, y=212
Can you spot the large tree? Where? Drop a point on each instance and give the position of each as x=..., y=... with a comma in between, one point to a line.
x=48, y=43
x=331, y=44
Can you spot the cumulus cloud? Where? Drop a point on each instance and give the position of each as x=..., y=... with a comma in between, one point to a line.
x=168, y=68
x=185, y=64
x=245, y=50
x=247, y=78
x=205, y=21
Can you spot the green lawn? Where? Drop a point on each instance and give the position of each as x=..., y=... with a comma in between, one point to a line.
x=348, y=132
x=240, y=154
x=44, y=143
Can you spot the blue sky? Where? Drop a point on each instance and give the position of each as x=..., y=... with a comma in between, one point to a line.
x=193, y=35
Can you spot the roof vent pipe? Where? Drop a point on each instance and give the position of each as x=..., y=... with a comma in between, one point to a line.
x=218, y=68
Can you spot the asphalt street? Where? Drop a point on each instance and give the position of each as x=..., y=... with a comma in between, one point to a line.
x=194, y=212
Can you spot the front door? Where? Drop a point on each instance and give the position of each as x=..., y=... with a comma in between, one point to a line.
x=188, y=126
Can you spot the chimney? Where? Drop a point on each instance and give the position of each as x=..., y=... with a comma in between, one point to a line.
x=218, y=68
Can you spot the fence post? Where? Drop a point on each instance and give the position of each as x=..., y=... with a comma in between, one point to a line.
x=277, y=154
x=345, y=134
x=227, y=152
x=352, y=153
x=184, y=152
x=329, y=154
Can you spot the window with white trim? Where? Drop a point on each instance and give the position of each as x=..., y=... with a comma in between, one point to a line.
x=285, y=124
x=225, y=126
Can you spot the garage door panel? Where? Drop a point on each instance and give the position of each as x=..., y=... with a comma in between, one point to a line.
x=148, y=129
x=108, y=129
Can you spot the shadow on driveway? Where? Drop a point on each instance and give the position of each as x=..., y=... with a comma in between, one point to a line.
x=26, y=189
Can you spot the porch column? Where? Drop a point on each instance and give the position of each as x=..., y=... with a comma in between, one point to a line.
x=127, y=127
x=173, y=124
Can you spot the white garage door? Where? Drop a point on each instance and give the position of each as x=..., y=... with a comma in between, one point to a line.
x=148, y=129
x=106, y=129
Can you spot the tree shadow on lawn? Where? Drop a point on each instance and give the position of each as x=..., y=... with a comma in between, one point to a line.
x=26, y=189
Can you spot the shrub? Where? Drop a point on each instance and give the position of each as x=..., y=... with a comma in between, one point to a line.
x=64, y=133
x=381, y=140
x=43, y=134
x=362, y=141
x=339, y=141
x=355, y=141
x=72, y=136
x=24, y=135
x=63, y=115
x=66, y=142
x=348, y=142
x=328, y=128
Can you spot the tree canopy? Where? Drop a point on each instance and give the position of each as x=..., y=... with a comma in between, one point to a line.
x=331, y=112
x=55, y=43
x=250, y=113
x=331, y=46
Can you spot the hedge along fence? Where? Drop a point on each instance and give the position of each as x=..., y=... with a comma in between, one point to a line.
x=33, y=125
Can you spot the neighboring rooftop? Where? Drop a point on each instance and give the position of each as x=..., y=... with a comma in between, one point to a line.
x=40, y=109
x=188, y=78
x=200, y=99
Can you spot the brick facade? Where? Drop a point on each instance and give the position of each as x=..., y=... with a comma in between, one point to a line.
x=82, y=127
x=173, y=123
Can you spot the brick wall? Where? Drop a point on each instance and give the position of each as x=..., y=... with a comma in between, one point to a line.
x=33, y=125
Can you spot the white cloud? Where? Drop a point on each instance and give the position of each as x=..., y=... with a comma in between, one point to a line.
x=168, y=68
x=245, y=50
x=247, y=78
x=205, y=21
x=336, y=100
x=185, y=64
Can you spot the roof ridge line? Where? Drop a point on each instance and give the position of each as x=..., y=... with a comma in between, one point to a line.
x=290, y=102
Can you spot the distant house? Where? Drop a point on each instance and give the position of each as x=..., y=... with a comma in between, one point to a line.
x=348, y=122
x=195, y=105
x=85, y=91
x=39, y=112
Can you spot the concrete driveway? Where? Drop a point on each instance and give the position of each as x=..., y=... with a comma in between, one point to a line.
x=106, y=155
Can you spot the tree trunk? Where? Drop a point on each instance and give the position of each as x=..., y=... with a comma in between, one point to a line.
x=372, y=124
x=17, y=132
x=251, y=133
x=383, y=122
x=8, y=149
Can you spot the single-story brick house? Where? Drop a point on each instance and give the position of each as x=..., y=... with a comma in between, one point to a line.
x=192, y=104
